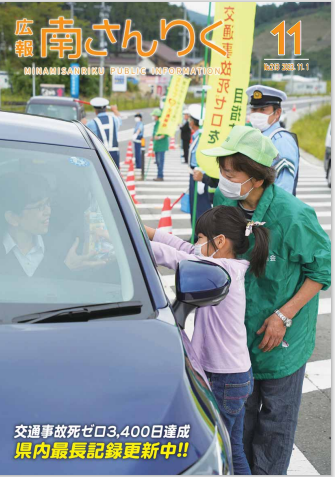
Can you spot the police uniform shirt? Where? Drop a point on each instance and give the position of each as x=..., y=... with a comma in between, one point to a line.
x=288, y=163
x=139, y=126
x=193, y=148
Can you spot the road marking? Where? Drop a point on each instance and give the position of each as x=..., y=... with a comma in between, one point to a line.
x=319, y=204
x=326, y=227
x=325, y=306
x=324, y=213
x=164, y=188
x=156, y=196
x=167, y=179
x=155, y=206
x=300, y=465
x=313, y=189
x=317, y=376
x=312, y=183
x=313, y=196
x=182, y=232
x=164, y=184
x=145, y=217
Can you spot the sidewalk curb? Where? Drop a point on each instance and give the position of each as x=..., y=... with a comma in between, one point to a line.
x=311, y=159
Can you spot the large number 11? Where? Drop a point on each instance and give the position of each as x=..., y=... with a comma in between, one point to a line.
x=280, y=31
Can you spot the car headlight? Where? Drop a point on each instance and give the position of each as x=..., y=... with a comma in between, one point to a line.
x=213, y=462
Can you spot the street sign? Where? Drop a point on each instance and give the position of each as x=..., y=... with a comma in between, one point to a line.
x=52, y=89
x=119, y=83
x=74, y=82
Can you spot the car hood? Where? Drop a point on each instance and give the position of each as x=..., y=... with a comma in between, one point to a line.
x=106, y=373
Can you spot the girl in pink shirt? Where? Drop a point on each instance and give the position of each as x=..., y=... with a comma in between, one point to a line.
x=219, y=338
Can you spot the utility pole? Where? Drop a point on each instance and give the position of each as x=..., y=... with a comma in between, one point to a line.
x=34, y=83
x=102, y=58
x=104, y=13
x=184, y=36
x=73, y=7
x=292, y=71
x=260, y=70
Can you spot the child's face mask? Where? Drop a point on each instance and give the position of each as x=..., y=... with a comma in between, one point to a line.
x=198, y=248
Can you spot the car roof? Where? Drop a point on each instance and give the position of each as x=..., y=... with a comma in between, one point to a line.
x=42, y=130
x=54, y=100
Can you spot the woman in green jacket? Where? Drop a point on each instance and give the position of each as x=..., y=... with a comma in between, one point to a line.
x=161, y=145
x=282, y=305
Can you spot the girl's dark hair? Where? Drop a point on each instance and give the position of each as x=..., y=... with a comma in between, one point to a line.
x=231, y=222
x=242, y=163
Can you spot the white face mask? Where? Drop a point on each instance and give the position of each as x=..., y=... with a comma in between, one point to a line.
x=137, y=120
x=232, y=190
x=260, y=121
x=198, y=247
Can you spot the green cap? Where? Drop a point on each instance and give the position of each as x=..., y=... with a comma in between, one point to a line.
x=248, y=141
x=156, y=112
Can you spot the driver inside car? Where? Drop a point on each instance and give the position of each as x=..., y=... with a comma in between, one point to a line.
x=25, y=214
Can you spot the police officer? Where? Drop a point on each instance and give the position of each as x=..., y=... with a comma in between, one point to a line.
x=265, y=103
x=106, y=126
x=137, y=138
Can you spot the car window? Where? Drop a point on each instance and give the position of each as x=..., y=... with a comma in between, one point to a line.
x=69, y=113
x=63, y=240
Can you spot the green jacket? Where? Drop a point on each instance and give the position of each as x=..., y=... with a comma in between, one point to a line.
x=299, y=249
x=161, y=144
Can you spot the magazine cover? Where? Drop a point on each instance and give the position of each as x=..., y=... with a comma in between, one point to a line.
x=165, y=224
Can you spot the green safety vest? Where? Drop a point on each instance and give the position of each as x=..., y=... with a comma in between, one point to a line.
x=161, y=144
x=299, y=249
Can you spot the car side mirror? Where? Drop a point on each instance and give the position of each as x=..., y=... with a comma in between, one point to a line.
x=198, y=283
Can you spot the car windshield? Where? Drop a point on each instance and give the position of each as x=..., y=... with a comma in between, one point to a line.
x=57, y=111
x=63, y=241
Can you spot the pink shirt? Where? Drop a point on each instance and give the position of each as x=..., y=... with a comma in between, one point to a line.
x=220, y=337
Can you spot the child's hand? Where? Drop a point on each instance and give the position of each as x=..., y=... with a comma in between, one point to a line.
x=150, y=231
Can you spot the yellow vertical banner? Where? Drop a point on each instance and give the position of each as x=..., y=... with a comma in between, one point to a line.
x=226, y=101
x=173, y=106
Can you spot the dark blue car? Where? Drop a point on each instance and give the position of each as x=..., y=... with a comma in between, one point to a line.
x=97, y=374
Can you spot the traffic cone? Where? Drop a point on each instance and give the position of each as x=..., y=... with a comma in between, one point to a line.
x=294, y=109
x=130, y=182
x=165, y=222
x=172, y=144
x=129, y=155
x=150, y=152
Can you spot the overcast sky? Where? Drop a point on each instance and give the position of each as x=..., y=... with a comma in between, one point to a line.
x=202, y=7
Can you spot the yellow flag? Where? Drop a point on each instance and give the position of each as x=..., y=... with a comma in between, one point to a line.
x=173, y=106
x=226, y=102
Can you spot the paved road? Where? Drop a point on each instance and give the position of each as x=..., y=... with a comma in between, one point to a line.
x=311, y=454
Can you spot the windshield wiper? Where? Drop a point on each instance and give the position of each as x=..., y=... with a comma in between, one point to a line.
x=75, y=314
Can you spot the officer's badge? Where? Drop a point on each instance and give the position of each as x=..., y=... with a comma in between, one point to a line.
x=258, y=95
